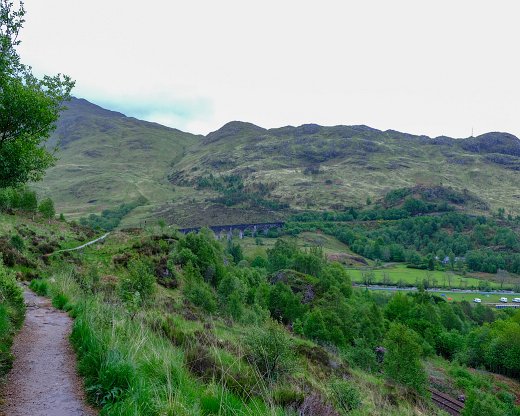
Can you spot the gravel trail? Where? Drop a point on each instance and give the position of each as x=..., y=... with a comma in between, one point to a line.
x=43, y=381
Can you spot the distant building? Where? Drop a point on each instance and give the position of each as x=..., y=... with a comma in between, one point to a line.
x=446, y=260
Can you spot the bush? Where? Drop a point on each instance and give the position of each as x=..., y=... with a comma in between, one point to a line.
x=12, y=310
x=11, y=295
x=346, y=395
x=18, y=198
x=46, y=208
x=480, y=404
x=139, y=285
x=6, y=358
x=402, y=361
x=17, y=242
x=270, y=351
x=28, y=200
x=200, y=294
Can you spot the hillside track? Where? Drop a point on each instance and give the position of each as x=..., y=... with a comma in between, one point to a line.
x=81, y=246
x=449, y=404
x=43, y=380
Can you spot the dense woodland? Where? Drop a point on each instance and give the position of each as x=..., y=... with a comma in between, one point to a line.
x=481, y=243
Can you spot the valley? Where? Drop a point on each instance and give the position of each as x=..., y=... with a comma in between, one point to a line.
x=259, y=270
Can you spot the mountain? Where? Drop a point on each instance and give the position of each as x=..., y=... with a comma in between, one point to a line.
x=106, y=158
x=243, y=173
x=315, y=167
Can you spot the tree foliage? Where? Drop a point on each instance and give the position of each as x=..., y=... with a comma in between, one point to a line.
x=29, y=107
x=402, y=361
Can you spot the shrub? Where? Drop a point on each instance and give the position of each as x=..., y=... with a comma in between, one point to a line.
x=402, y=361
x=139, y=285
x=270, y=351
x=482, y=403
x=346, y=395
x=6, y=358
x=12, y=296
x=197, y=291
x=28, y=200
x=12, y=310
x=46, y=208
x=200, y=294
x=17, y=242
x=259, y=261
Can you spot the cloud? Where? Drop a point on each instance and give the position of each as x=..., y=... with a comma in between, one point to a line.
x=162, y=109
x=429, y=68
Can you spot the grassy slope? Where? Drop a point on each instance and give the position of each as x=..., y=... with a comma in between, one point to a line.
x=354, y=163
x=106, y=158
x=158, y=392
x=161, y=382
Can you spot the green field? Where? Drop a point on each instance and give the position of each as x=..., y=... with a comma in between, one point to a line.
x=258, y=246
x=390, y=275
x=399, y=274
x=451, y=296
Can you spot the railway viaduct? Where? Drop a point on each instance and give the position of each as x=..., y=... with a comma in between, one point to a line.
x=222, y=231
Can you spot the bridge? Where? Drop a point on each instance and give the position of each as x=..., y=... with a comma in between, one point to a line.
x=227, y=230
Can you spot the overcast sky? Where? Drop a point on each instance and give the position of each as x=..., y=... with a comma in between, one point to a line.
x=437, y=68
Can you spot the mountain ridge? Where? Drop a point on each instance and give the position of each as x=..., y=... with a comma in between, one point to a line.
x=107, y=158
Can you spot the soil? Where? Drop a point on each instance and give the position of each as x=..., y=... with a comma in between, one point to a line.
x=43, y=380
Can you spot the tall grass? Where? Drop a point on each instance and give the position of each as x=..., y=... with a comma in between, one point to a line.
x=131, y=370
x=12, y=313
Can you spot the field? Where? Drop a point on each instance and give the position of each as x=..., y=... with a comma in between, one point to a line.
x=391, y=274
x=399, y=274
x=452, y=296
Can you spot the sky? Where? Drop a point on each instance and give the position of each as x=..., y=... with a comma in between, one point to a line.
x=440, y=67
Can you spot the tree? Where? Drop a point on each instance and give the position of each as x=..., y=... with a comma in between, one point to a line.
x=29, y=107
x=402, y=361
x=284, y=305
x=46, y=208
x=235, y=250
x=138, y=287
x=502, y=276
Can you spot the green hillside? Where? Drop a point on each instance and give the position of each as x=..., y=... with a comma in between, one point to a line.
x=244, y=173
x=106, y=158
x=183, y=325
x=314, y=167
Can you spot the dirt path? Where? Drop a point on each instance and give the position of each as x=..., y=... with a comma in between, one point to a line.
x=43, y=381
x=82, y=246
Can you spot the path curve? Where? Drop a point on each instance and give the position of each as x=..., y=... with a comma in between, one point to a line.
x=82, y=246
x=43, y=380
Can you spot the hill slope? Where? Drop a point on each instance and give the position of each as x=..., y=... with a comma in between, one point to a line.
x=243, y=172
x=106, y=158
x=315, y=167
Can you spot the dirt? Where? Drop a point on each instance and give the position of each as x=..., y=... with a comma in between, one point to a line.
x=43, y=381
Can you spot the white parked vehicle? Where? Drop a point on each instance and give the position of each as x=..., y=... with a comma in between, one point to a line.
x=503, y=300
x=477, y=300
x=516, y=300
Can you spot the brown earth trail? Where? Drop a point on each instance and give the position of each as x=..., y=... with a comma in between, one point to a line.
x=43, y=381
